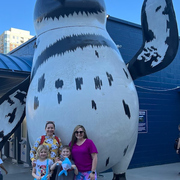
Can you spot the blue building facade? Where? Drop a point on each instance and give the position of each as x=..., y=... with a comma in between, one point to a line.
x=158, y=94
x=159, y=97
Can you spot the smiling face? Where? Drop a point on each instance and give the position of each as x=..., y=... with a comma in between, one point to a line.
x=66, y=153
x=79, y=134
x=50, y=129
x=43, y=154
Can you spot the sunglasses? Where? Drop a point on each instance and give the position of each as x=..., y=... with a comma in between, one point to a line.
x=80, y=132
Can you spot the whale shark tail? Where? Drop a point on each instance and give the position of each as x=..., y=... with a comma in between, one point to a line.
x=160, y=38
x=12, y=110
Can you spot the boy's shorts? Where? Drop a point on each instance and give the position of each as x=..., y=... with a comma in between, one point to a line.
x=84, y=176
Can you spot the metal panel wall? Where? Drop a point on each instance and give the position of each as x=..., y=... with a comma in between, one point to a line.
x=158, y=94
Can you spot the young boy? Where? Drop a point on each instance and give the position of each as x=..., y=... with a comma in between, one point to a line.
x=2, y=167
x=65, y=153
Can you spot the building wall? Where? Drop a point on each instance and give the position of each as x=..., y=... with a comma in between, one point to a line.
x=158, y=94
x=2, y=43
x=26, y=49
x=161, y=99
x=12, y=38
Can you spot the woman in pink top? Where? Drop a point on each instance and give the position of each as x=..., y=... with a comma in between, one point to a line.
x=84, y=154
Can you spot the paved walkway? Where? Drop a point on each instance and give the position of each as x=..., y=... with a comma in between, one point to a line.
x=160, y=172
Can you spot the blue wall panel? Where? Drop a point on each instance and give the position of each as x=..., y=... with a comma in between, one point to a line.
x=162, y=105
x=25, y=50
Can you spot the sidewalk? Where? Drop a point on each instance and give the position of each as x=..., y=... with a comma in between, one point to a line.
x=164, y=172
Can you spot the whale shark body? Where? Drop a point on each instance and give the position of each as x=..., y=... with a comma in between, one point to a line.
x=79, y=77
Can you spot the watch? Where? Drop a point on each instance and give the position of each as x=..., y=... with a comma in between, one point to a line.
x=93, y=172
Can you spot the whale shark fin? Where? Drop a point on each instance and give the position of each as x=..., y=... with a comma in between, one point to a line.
x=160, y=38
x=12, y=110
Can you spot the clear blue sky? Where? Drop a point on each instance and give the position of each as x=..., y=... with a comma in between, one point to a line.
x=19, y=13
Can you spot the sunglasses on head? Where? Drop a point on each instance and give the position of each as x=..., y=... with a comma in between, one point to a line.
x=80, y=132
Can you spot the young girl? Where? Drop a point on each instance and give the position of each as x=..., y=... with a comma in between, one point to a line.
x=65, y=153
x=39, y=171
x=2, y=167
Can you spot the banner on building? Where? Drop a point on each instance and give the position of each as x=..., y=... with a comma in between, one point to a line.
x=143, y=122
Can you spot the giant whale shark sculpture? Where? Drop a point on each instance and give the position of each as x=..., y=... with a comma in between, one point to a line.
x=79, y=77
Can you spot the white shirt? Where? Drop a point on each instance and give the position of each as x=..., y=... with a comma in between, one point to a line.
x=41, y=167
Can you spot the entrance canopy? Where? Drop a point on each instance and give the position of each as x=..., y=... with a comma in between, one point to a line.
x=13, y=70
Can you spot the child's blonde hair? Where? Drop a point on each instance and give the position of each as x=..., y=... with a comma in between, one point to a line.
x=40, y=148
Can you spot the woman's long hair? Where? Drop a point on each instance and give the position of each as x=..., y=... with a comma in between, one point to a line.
x=74, y=139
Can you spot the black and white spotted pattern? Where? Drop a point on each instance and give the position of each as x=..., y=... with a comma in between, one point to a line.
x=160, y=38
x=79, y=77
x=86, y=80
x=12, y=110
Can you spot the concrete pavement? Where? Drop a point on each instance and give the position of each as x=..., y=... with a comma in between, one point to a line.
x=164, y=172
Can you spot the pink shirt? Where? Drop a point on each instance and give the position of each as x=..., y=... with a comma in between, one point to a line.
x=82, y=155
